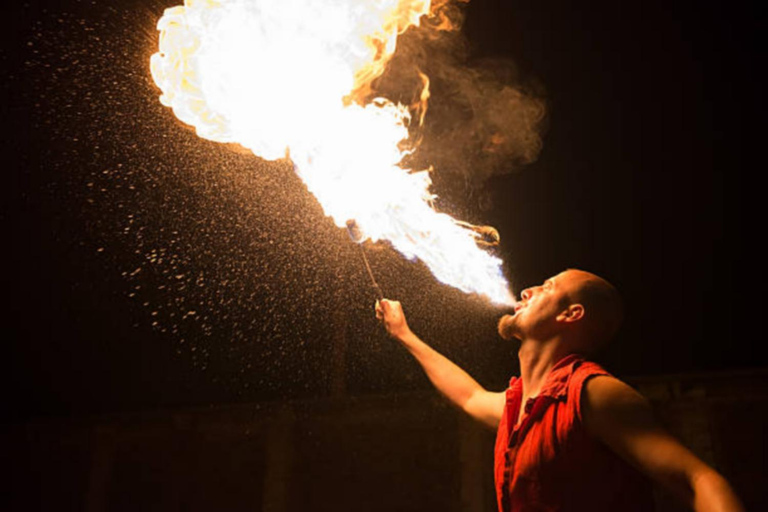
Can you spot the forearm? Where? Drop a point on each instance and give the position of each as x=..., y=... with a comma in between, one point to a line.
x=452, y=381
x=712, y=493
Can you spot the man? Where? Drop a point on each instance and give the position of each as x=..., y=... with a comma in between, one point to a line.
x=570, y=436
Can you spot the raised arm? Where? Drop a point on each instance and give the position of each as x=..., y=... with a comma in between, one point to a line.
x=620, y=417
x=446, y=376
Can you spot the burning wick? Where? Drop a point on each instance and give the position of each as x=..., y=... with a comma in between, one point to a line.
x=486, y=236
x=354, y=233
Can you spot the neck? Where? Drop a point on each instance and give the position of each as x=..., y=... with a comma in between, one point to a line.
x=536, y=360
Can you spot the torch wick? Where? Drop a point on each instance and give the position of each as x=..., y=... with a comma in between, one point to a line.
x=379, y=293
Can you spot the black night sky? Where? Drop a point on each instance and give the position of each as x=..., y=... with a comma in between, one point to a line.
x=144, y=267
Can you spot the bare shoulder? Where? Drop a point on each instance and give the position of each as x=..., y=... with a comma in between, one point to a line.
x=608, y=391
x=609, y=404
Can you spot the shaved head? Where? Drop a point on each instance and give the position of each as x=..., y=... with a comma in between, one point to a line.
x=603, y=306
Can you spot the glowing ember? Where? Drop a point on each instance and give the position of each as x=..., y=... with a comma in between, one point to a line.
x=289, y=78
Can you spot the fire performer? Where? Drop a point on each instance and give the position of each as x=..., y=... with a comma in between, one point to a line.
x=570, y=436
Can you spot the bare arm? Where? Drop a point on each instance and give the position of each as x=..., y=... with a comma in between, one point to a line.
x=621, y=418
x=446, y=376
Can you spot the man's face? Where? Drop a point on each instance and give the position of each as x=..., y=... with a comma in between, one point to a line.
x=536, y=312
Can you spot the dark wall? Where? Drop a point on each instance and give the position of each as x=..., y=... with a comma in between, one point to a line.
x=400, y=452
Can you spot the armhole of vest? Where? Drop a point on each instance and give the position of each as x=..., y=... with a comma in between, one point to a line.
x=580, y=382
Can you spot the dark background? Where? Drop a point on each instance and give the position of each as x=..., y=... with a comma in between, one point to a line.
x=145, y=267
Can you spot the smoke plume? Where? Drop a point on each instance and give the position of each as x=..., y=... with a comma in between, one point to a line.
x=484, y=119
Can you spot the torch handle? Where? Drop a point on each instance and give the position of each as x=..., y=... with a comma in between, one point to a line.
x=379, y=293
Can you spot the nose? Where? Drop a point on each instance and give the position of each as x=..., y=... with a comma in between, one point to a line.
x=526, y=294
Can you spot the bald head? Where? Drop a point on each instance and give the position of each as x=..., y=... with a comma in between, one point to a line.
x=603, y=307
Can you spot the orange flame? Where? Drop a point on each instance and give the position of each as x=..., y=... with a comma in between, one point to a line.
x=290, y=77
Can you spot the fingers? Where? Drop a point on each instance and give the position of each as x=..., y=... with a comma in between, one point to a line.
x=384, y=307
x=388, y=306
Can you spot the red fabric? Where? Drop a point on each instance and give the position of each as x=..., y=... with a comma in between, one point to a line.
x=548, y=462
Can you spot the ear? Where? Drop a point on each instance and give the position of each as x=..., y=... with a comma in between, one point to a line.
x=574, y=313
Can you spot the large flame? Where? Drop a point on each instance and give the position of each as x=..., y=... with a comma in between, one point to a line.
x=291, y=77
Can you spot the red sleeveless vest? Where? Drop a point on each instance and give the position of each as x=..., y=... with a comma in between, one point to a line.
x=550, y=463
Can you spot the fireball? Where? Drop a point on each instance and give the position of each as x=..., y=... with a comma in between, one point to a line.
x=293, y=78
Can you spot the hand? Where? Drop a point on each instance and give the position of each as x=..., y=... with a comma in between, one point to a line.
x=390, y=313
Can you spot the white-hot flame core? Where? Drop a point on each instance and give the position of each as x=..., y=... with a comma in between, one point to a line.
x=281, y=76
